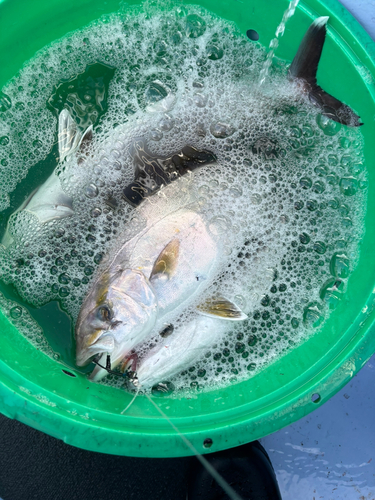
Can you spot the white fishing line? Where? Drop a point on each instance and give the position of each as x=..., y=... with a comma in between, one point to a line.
x=218, y=478
x=131, y=402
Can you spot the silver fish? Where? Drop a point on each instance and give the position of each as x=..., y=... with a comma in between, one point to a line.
x=168, y=264
x=50, y=201
x=163, y=267
x=179, y=351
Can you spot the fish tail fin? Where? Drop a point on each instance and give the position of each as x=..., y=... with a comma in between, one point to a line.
x=304, y=68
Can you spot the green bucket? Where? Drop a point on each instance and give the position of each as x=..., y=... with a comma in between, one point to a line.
x=33, y=387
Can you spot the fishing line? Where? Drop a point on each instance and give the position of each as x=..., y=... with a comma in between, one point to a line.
x=218, y=478
x=132, y=401
x=108, y=368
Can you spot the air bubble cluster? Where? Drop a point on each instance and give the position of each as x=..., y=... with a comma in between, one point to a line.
x=286, y=195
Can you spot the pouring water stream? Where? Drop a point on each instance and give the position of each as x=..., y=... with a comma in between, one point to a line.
x=275, y=41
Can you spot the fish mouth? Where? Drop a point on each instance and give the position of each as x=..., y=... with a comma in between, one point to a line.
x=104, y=344
x=100, y=372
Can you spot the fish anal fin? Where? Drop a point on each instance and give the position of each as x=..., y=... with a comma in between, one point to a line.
x=220, y=307
x=304, y=68
x=167, y=260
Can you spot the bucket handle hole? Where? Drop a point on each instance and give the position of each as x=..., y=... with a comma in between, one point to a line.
x=69, y=373
x=252, y=35
x=315, y=398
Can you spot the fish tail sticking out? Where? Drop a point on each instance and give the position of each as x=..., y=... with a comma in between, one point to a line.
x=304, y=68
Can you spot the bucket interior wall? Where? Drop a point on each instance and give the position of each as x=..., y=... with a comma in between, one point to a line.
x=33, y=387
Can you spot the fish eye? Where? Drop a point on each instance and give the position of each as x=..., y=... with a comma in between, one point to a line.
x=104, y=313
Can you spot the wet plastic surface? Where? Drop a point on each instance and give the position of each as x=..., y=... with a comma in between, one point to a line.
x=330, y=454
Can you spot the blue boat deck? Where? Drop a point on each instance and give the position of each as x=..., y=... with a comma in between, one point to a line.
x=330, y=454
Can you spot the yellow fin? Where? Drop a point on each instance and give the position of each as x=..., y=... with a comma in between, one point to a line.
x=166, y=263
x=223, y=308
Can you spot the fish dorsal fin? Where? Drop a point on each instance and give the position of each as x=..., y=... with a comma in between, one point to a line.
x=152, y=172
x=220, y=307
x=69, y=136
x=167, y=260
x=304, y=68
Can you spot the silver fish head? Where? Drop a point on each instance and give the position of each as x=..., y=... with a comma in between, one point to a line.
x=116, y=315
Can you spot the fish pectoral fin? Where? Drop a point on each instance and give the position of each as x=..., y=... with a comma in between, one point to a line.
x=304, y=68
x=220, y=307
x=69, y=136
x=47, y=212
x=167, y=260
